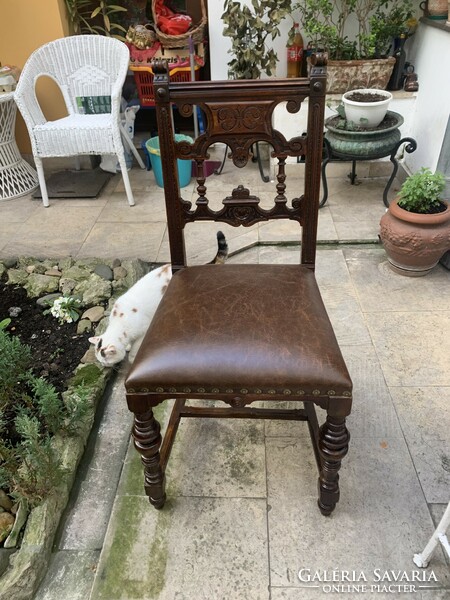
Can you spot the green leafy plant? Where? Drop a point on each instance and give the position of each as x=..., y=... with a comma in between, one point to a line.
x=65, y=309
x=96, y=17
x=326, y=24
x=421, y=192
x=31, y=413
x=251, y=29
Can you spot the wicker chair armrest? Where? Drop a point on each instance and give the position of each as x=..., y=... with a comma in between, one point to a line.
x=27, y=102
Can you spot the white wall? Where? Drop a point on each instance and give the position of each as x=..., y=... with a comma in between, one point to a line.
x=429, y=52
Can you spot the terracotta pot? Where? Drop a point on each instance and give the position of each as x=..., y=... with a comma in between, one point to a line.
x=436, y=9
x=414, y=242
x=345, y=75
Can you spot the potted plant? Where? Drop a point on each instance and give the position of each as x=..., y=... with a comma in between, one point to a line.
x=361, y=61
x=366, y=107
x=250, y=29
x=415, y=230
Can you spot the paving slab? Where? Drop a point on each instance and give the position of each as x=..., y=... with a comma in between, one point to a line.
x=425, y=420
x=136, y=240
x=85, y=521
x=380, y=522
x=70, y=576
x=380, y=289
x=413, y=347
x=200, y=548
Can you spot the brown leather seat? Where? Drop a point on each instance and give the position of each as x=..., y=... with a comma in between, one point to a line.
x=241, y=333
x=241, y=329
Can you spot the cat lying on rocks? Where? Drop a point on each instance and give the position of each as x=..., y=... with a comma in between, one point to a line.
x=133, y=311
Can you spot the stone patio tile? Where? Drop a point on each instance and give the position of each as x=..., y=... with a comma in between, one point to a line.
x=70, y=576
x=380, y=289
x=356, y=203
x=136, y=240
x=7, y=233
x=86, y=519
x=349, y=231
x=413, y=347
x=149, y=208
x=282, y=230
x=289, y=255
x=56, y=231
x=425, y=420
x=141, y=180
x=437, y=512
x=230, y=461
x=201, y=241
x=17, y=210
x=326, y=230
x=340, y=298
x=381, y=520
x=200, y=548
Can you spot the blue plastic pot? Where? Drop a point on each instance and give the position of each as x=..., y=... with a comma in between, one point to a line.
x=184, y=166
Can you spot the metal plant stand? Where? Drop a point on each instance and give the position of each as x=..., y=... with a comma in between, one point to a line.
x=256, y=158
x=17, y=177
x=346, y=145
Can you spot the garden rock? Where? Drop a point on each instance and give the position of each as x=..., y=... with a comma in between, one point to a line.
x=65, y=263
x=104, y=271
x=89, y=356
x=93, y=290
x=14, y=311
x=94, y=314
x=75, y=272
x=66, y=285
x=2, y=269
x=120, y=272
x=136, y=269
x=53, y=273
x=19, y=522
x=116, y=263
x=6, y=525
x=38, y=285
x=47, y=300
x=17, y=276
x=10, y=263
x=83, y=326
x=5, y=501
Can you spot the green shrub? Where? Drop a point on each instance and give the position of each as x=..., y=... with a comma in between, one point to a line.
x=421, y=192
x=31, y=413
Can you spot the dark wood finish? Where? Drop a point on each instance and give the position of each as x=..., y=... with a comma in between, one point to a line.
x=147, y=441
x=239, y=114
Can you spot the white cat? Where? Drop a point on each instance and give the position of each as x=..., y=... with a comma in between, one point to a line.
x=133, y=311
x=130, y=317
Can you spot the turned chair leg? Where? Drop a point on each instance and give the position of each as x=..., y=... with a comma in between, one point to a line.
x=333, y=446
x=147, y=441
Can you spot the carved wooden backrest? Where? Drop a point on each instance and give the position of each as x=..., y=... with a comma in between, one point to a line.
x=239, y=113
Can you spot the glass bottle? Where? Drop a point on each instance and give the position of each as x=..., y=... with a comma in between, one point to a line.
x=295, y=53
x=396, y=80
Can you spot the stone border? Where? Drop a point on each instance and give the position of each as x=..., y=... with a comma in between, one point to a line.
x=28, y=565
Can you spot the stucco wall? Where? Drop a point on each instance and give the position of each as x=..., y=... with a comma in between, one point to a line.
x=430, y=53
x=26, y=25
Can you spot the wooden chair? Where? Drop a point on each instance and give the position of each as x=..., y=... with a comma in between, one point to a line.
x=241, y=333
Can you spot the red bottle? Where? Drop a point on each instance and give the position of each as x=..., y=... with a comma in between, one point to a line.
x=295, y=54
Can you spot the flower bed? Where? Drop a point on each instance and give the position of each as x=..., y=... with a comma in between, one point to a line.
x=63, y=361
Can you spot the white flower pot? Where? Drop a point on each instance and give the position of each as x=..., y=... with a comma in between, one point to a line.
x=366, y=114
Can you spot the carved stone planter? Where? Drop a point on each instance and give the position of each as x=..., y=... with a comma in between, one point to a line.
x=414, y=242
x=345, y=75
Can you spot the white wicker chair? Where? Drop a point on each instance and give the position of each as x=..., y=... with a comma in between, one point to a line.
x=83, y=65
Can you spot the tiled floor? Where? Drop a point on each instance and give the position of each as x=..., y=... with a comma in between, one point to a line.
x=241, y=519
